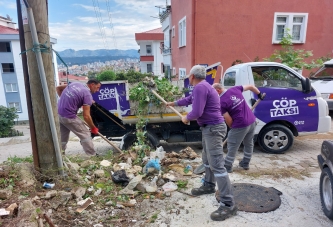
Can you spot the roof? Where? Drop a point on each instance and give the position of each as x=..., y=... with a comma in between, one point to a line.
x=8, y=31
x=62, y=76
x=156, y=30
x=154, y=34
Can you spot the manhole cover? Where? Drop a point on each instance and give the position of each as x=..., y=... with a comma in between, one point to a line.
x=255, y=198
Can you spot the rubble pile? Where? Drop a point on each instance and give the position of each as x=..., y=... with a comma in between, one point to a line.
x=95, y=192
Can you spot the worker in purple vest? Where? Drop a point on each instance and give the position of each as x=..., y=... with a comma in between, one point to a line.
x=73, y=97
x=206, y=110
x=240, y=119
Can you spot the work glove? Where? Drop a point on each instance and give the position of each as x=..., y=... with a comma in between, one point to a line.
x=94, y=131
x=260, y=96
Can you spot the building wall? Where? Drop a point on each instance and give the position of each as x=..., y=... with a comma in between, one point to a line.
x=15, y=77
x=155, y=52
x=182, y=57
x=243, y=29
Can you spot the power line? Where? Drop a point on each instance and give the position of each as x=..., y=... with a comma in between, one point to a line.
x=111, y=24
x=100, y=24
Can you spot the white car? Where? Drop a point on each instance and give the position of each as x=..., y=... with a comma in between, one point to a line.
x=322, y=81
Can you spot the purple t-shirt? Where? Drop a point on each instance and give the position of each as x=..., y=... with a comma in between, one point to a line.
x=233, y=102
x=205, y=105
x=74, y=96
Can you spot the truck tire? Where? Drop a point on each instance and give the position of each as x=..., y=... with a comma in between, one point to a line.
x=130, y=138
x=275, y=139
x=326, y=192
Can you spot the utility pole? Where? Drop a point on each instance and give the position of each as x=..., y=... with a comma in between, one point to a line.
x=42, y=87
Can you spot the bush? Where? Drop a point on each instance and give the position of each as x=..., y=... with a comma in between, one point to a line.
x=106, y=75
x=7, y=117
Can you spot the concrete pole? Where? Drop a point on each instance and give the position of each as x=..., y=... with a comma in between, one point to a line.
x=43, y=94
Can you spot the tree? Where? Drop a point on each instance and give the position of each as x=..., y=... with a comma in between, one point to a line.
x=106, y=75
x=294, y=58
x=7, y=117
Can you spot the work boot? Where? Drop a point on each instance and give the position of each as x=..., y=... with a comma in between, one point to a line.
x=223, y=212
x=228, y=168
x=205, y=188
x=244, y=165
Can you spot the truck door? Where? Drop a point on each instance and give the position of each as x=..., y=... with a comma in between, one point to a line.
x=285, y=99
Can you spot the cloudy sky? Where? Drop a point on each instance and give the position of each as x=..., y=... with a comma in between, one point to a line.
x=74, y=23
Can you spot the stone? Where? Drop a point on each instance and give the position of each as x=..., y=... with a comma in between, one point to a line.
x=50, y=194
x=25, y=171
x=87, y=163
x=99, y=173
x=73, y=166
x=27, y=214
x=79, y=193
x=5, y=193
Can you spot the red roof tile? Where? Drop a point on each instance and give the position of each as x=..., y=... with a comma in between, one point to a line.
x=8, y=31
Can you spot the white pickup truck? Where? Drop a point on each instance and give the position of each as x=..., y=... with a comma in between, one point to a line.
x=322, y=81
x=292, y=107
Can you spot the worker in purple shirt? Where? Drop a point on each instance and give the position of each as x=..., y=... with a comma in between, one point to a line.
x=240, y=118
x=206, y=110
x=72, y=97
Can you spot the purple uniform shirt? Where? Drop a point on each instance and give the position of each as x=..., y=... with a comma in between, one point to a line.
x=233, y=102
x=72, y=98
x=205, y=105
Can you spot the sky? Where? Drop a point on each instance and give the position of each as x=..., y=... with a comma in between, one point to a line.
x=75, y=26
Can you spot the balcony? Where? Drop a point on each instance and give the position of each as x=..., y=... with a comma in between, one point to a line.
x=147, y=58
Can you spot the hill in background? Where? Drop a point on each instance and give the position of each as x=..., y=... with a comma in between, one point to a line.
x=72, y=57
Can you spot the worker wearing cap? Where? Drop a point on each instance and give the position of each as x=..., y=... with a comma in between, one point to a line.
x=206, y=110
x=73, y=97
x=240, y=118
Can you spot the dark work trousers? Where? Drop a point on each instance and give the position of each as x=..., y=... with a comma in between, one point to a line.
x=78, y=128
x=212, y=157
x=235, y=137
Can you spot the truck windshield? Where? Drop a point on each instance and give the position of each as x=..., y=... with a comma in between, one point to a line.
x=324, y=73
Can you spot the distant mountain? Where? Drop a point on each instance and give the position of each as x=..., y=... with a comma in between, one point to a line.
x=99, y=53
x=73, y=57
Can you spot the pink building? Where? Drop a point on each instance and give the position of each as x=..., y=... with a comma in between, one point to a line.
x=206, y=32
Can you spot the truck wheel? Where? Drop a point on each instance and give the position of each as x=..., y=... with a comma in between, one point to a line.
x=326, y=192
x=275, y=139
x=130, y=138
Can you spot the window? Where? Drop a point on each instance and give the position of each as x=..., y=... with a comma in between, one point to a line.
x=173, y=31
x=275, y=77
x=229, y=79
x=149, y=68
x=7, y=67
x=174, y=71
x=148, y=49
x=5, y=47
x=15, y=105
x=293, y=23
x=182, y=32
x=11, y=87
x=182, y=73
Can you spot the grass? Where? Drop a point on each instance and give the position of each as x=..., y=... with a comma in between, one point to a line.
x=278, y=173
x=153, y=218
x=182, y=184
x=15, y=159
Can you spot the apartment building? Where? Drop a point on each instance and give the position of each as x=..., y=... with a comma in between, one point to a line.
x=151, y=48
x=12, y=88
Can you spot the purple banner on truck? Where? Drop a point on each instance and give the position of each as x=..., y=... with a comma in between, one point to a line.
x=210, y=77
x=287, y=104
x=113, y=97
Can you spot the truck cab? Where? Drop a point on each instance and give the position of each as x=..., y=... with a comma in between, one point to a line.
x=322, y=81
x=292, y=107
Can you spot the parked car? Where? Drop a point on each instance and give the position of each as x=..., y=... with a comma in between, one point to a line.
x=322, y=81
x=325, y=160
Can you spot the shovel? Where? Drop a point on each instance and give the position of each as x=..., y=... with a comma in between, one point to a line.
x=201, y=169
x=108, y=141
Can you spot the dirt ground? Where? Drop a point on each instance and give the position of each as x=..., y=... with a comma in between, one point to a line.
x=295, y=173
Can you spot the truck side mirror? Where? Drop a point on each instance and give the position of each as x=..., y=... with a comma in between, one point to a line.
x=307, y=86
